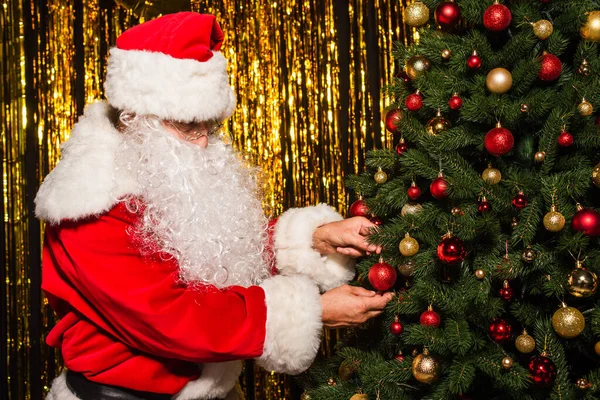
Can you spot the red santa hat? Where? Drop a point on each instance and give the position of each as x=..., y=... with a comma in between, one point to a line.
x=171, y=67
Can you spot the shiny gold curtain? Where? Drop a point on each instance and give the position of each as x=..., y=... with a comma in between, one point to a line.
x=308, y=75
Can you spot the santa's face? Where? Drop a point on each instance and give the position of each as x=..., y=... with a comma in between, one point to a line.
x=192, y=132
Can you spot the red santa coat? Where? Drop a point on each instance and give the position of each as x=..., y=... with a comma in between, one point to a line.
x=126, y=319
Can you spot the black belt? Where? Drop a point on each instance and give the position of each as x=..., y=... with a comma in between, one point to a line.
x=88, y=390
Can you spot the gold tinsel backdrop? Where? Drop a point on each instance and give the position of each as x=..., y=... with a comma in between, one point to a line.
x=309, y=77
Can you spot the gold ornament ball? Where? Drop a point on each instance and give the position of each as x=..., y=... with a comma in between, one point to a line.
x=480, y=274
x=407, y=269
x=507, y=363
x=539, y=157
x=524, y=108
x=305, y=396
x=416, y=14
x=437, y=125
x=568, y=322
x=529, y=255
x=542, y=29
x=585, y=108
x=582, y=282
x=380, y=176
x=446, y=54
x=346, y=371
x=491, y=175
x=583, y=384
x=360, y=396
x=554, y=221
x=426, y=368
x=591, y=28
x=411, y=208
x=525, y=343
x=416, y=66
x=597, y=348
x=409, y=246
x=499, y=80
x=584, y=69
x=596, y=175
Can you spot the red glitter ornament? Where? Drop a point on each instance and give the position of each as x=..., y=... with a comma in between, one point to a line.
x=438, y=187
x=430, y=318
x=474, y=61
x=414, y=101
x=500, y=330
x=565, y=139
x=414, y=192
x=396, y=327
x=586, y=220
x=542, y=370
x=497, y=17
x=382, y=276
x=551, y=67
x=506, y=292
x=401, y=147
x=447, y=14
x=451, y=250
x=392, y=119
x=484, y=206
x=499, y=141
x=376, y=220
x=455, y=102
x=520, y=201
x=359, y=209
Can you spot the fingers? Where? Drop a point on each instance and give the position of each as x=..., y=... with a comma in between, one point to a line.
x=360, y=291
x=349, y=251
x=377, y=303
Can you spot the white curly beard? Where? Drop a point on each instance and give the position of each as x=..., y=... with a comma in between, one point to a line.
x=201, y=206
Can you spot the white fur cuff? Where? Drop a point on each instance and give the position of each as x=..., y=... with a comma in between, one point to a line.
x=294, y=251
x=293, y=324
x=59, y=389
x=217, y=380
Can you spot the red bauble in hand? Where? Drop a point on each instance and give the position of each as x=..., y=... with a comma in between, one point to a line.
x=551, y=67
x=499, y=141
x=565, y=139
x=506, y=292
x=414, y=192
x=438, y=187
x=430, y=318
x=500, y=330
x=455, y=102
x=396, y=327
x=542, y=370
x=392, y=119
x=520, y=201
x=414, y=102
x=484, y=206
x=401, y=147
x=451, y=250
x=586, y=220
x=447, y=14
x=382, y=276
x=474, y=61
x=497, y=17
x=359, y=209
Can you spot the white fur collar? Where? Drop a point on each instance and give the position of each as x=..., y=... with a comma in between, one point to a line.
x=82, y=184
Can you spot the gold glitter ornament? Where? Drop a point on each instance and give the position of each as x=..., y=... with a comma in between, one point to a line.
x=479, y=274
x=416, y=14
x=380, y=176
x=426, y=368
x=360, y=396
x=491, y=175
x=499, y=80
x=553, y=220
x=539, y=157
x=437, y=124
x=507, y=363
x=596, y=175
x=407, y=269
x=583, y=384
x=597, y=348
x=542, y=29
x=591, y=28
x=411, y=208
x=585, y=108
x=409, y=246
x=582, y=282
x=568, y=322
x=525, y=343
x=446, y=54
x=416, y=66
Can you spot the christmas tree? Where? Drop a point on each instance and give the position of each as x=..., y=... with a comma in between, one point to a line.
x=487, y=211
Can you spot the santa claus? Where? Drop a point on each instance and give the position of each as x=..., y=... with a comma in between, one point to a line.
x=157, y=256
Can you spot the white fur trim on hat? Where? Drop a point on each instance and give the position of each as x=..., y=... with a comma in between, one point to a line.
x=152, y=83
x=293, y=324
x=59, y=389
x=217, y=380
x=82, y=184
x=294, y=250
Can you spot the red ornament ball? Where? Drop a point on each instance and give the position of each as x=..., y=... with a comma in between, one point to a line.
x=586, y=220
x=438, y=188
x=497, y=17
x=430, y=318
x=359, y=209
x=382, y=276
x=376, y=220
x=506, y=293
x=396, y=327
x=399, y=357
x=414, y=102
x=542, y=371
x=414, y=192
x=392, y=119
x=455, y=102
x=500, y=330
x=451, y=250
x=520, y=201
x=484, y=206
x=551, y=67
x=474, y=61
x=565, y=139
x=447, y=14
x=499, y=141
x=401, y=147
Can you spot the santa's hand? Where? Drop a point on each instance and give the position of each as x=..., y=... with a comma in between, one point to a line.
x=348, y=237
x=348, y=306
